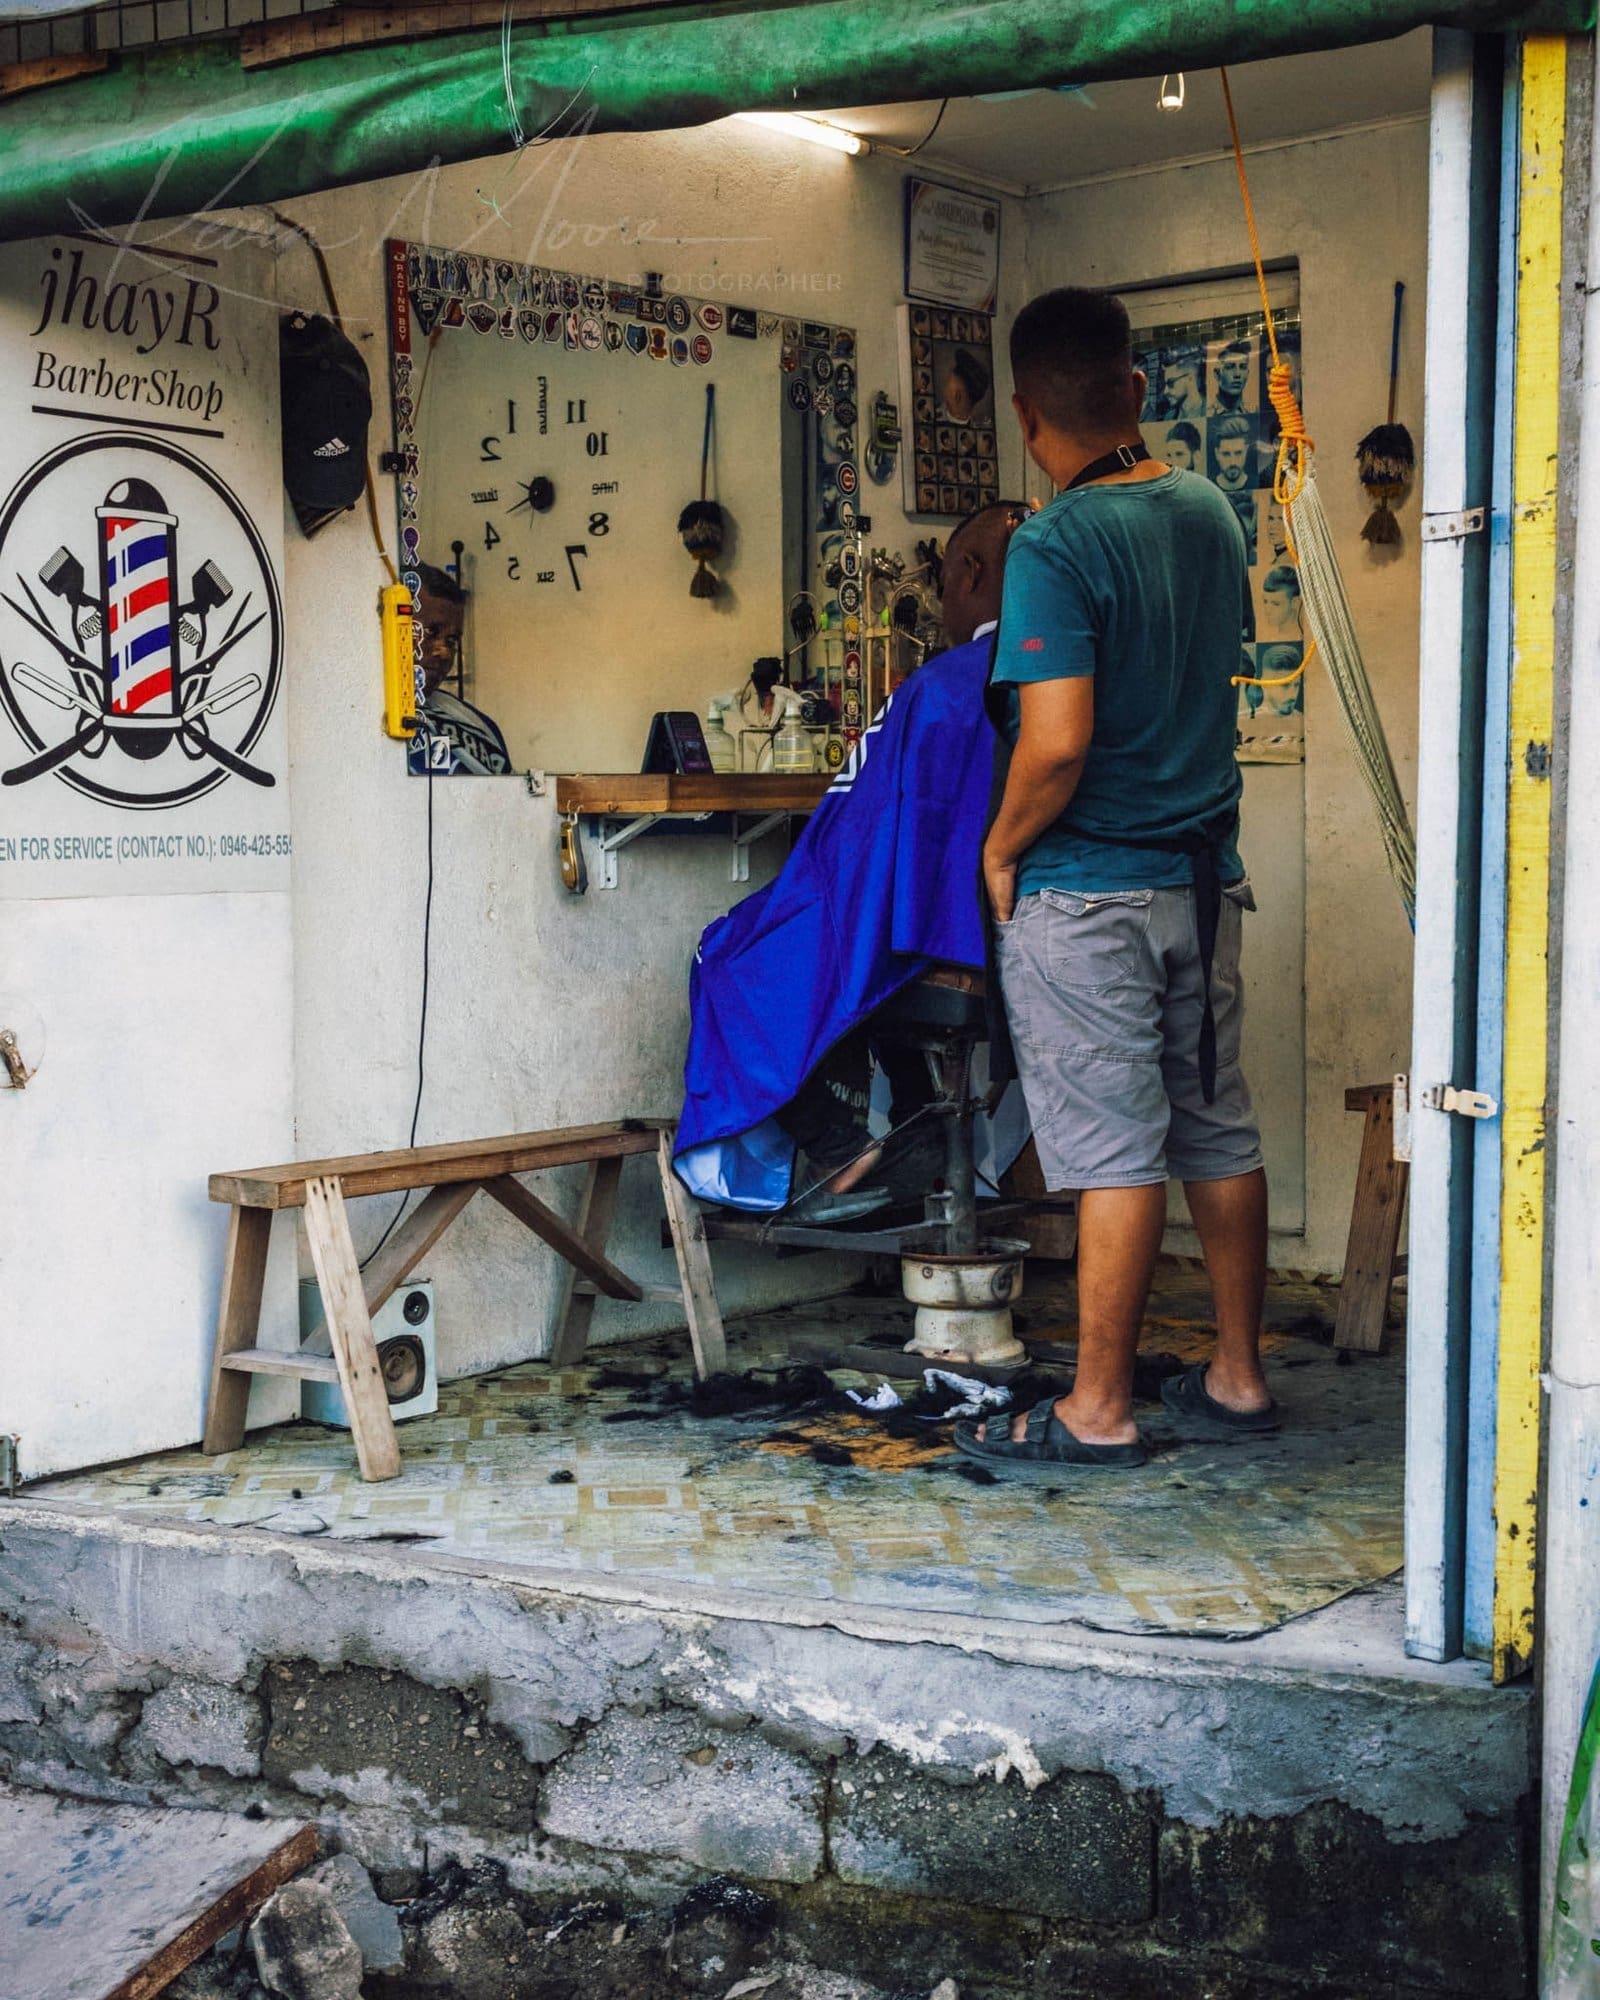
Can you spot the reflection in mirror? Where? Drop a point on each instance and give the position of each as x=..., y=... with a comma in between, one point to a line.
x=557, y=435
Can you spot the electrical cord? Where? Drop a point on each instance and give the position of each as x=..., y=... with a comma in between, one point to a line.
x=300, y=230
x=910, y=152
x=422, y=1029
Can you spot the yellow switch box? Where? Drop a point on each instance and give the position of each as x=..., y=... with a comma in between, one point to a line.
x=399, y=661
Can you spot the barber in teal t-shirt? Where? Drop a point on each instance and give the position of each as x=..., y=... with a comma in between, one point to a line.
x=1113, y=872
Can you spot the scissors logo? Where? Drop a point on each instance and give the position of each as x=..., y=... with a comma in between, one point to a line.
x=128, y=678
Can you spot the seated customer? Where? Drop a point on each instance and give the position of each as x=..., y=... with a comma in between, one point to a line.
x=475, y=746
x=882, y=884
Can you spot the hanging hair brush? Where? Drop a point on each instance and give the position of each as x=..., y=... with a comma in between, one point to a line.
x=1386, y=459
x=702, y=525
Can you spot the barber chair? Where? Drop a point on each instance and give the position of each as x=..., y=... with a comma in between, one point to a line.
x=956, y=1268
x=943, y=1016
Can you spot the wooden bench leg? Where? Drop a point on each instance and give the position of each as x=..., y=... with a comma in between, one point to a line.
x=575, y=1309
x=694, y=1268
x=1374, y=1240
x=244, y=1271
x=350, y=1327
x=393, y=1264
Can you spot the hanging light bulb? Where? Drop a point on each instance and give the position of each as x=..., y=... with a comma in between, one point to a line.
x=1171, y=98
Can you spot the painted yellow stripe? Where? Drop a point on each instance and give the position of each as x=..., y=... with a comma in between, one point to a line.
x=1533, y=559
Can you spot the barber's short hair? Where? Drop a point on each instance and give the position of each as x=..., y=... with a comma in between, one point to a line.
x=1234, y=426
x=1278, y=658
x=1235, y=347
x=1184, y=433
x=440, y=583
x=1072, y=356
x=1281, y=578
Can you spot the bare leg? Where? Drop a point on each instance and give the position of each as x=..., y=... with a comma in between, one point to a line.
x=1119, y=1239
x=853, y=1175
x=1231, y=1219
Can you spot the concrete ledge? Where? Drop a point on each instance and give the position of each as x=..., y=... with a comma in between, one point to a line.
x=1235, y=1803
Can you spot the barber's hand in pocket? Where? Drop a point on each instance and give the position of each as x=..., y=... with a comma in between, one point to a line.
x=1000, y=880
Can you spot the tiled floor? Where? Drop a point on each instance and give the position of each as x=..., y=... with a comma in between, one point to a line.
x=571, y=1471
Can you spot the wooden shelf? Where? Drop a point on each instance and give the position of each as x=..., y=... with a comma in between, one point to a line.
x=621, y=794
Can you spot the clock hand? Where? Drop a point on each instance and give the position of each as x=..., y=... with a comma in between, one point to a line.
x=538, y=496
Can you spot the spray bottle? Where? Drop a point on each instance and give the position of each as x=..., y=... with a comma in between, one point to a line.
x=792, y=749
x=724, y=754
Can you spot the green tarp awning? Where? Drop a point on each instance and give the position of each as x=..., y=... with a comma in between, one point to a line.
x=186, y=130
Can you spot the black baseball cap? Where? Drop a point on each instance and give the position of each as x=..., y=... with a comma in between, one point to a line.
x=327, y=406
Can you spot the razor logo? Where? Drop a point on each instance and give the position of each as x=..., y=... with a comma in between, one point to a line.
x=125, y=683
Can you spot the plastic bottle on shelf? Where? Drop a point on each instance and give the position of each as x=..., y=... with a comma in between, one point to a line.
x=720, y=745
x=793, y=751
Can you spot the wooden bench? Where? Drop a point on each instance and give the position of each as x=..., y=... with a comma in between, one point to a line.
x=342, y=1348
x=1372, y=1253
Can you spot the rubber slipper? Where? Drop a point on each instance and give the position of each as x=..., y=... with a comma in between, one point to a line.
x=1044, y=1450
x=1185, y=1396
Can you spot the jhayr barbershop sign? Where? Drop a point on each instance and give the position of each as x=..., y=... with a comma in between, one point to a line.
x=142, y=741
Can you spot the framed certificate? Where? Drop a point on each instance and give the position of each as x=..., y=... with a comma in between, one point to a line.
x=952, y=246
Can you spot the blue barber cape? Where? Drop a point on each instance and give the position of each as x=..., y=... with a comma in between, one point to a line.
x=882, y=882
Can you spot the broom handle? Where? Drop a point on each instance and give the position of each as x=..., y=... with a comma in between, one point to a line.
x=1394, y=348
x=705, y=443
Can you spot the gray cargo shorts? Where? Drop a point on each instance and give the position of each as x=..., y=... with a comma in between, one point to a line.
x=1104, y=997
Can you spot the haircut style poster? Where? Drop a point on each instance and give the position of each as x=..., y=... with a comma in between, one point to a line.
x=950, y=462
x=142, y=735
x=1206, y=411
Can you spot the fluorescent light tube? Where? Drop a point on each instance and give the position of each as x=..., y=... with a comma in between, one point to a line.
x=817, y=130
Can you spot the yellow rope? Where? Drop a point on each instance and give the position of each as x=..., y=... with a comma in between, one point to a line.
x=1279, y=680
x=1295, y=444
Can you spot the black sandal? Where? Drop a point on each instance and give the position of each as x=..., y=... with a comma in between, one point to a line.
x=1045, y=1449
x=1185, y=1396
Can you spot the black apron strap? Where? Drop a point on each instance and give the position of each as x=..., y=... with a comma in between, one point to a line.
x=1208, y=920
x=1002, y=1055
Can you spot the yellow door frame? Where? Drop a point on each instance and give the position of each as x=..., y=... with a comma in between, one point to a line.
x=1536, y=392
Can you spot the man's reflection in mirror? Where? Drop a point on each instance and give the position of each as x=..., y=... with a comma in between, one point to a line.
x=474, y=744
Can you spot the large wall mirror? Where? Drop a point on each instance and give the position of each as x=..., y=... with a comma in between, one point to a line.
x=552, y=427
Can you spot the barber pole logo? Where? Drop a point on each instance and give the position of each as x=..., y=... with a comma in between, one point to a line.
x=140, y=629
x=141, y=665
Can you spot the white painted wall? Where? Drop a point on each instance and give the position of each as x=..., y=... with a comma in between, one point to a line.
x=153, y=991
x=1353, y=211
x=544, y=1010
